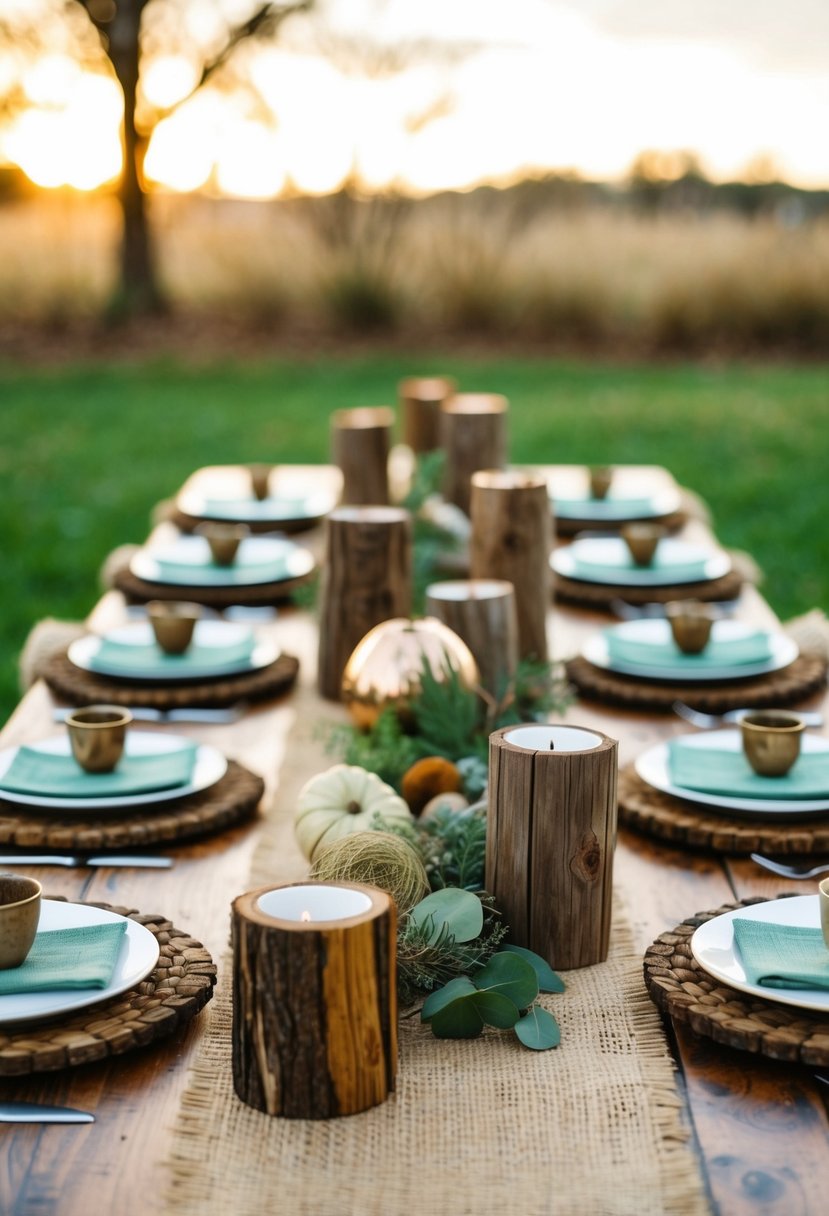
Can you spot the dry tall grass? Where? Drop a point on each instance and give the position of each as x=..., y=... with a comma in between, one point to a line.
x=455, y=263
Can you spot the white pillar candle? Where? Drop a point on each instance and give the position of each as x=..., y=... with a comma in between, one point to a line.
x=313, y=903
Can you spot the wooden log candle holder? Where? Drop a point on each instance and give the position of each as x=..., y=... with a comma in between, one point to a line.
x=366, y=579
x=473, y=430
x=482, y=612
x=551, y=833
x=314, y=999
x=421, y=399
x=360, y=445
x=512, y=535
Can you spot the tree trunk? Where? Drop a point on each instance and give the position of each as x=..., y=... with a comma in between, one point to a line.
x=138, y=293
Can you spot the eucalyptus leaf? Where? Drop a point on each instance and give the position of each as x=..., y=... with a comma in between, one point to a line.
x=460, y=986
x=511, y=976
x=449, y=912
x=458, y=1020
x=538, y=1029
x=495, y=1009
x=548, y=980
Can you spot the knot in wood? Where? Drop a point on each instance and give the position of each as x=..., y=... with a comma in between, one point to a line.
x=586, y=862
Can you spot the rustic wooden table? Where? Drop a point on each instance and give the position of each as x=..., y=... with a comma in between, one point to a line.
x=760, y=1127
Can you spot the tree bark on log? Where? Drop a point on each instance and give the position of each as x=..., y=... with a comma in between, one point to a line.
x=366, y=579
x=551, y=834
x=481, y=612
x=473, y=430
x=314, y=1009
x=512, y=535
x=360, y=445
x=421, y=399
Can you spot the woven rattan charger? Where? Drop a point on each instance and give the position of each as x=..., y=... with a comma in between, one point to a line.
x=789, y=686
x=667, y=818
x=679, y=987
x=180, y=984
x=602, y=595
x=77, y=686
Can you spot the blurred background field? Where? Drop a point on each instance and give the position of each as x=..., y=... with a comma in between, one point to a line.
x=88, y=450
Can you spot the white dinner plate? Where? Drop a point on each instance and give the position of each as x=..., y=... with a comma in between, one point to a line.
x=280, y=508
x=617, y=509
x=209, y=768
x=136, y=959
x=713, y=947
x=783, y=652
x=277, y=560
x=653, y=767
x=600, y=549
x=83, y=653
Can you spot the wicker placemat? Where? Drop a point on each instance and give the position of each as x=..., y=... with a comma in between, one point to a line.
x=78, y=687
x=645, y=809
x=679, y=987
x=787, y=687
x=602, y=595
x=178, y=987
x=571, y=527
x=231, y=800
x=255, y=595
x=188, y=523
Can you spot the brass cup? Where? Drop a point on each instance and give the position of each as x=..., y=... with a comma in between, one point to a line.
x=642, y=541
x=224, y=540
x=601, y=479
x=173, y=623
x=260, y=475
x=19, y=916
x=771, y=741
x=97, y=734
x=691, y=623
x=823, y=893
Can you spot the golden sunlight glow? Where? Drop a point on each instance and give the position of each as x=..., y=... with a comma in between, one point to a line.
x=167, y=80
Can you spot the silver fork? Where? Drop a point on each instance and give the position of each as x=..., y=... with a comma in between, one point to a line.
x=712, y=721
x=799, y=872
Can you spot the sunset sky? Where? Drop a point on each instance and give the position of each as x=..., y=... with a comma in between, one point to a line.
x=533, y=85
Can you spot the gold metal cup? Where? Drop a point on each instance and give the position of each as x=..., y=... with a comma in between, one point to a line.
x=601, y=479
x=260, y=475
x=97, y=734
x=224, y=540
x=771, y=741
x=642, y=540
x=173, y=623
x=19, y=917
x=691, y=623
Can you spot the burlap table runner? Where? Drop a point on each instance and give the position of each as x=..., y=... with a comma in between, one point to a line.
x=595, y=1127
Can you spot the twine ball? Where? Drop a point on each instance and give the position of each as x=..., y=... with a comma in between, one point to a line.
x=379, y=859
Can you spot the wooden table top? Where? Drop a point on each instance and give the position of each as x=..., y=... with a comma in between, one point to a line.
x=760, y=1127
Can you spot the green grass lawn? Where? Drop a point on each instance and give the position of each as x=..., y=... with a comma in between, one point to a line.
x=85, y=452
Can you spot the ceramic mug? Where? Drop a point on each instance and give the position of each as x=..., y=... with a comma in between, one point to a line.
x=601, y=479
x=691, y=622
x=19, y=916
x=260, y=476
x=642, y=541
x=823, y=896
x=96, y=736
x=224, y=540
x=173, y=622
x=771, y=741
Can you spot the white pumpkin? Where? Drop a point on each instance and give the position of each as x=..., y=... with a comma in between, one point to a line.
x=342, y=800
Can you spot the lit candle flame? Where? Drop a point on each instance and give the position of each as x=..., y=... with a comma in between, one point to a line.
x=306, y=916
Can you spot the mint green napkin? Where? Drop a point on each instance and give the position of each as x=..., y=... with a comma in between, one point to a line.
x=84, y=957
x=661, y=567
x=725, y=652
x=782, y=956
x=209, y=574
x=603, y=508
x=254, y=508
x=714, y=771
x=131, y=659
x=39, y=772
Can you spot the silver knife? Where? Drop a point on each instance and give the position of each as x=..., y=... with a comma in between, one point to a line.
x=77, y=859
x=32, y=1112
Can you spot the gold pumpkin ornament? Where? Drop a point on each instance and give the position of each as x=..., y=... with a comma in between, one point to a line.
x=385, y=667
x=342, y=800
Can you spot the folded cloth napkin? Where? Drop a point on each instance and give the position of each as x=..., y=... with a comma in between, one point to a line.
x=83, y=957
x=714, y=771
x=208, y=573
x=608, y=556
x=131, y=659
x=782, y=956
x=724, y=652
x=603, y=508
x=254, y=508
x=33, y=771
